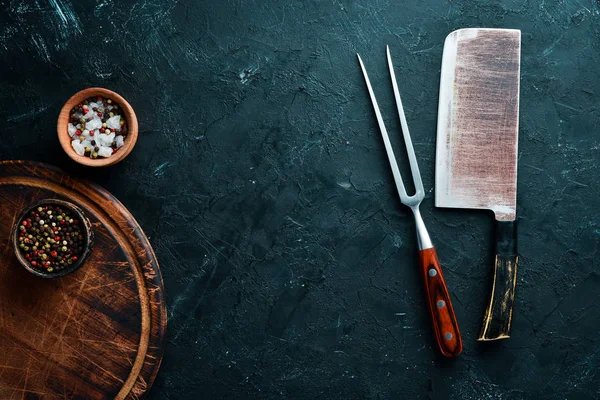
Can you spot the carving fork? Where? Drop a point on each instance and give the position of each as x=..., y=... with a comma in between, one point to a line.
x=444, y=322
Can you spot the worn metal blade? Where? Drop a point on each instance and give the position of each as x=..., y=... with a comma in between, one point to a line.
x=478, y=121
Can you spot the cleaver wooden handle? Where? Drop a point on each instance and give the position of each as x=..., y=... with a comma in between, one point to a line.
x=498, y=316
x=445, y=326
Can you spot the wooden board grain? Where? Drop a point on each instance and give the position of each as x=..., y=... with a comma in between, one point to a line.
x=97, y=333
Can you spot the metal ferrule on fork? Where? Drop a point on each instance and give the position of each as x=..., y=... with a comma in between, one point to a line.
x=422, y=234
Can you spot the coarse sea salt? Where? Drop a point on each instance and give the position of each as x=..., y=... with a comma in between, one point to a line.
x=89, y=115
x=78, y=147
x=106, y=140
x=97, y=128
x=94, y=123
x=71, y=128
x=114, y=122
x=105, y=151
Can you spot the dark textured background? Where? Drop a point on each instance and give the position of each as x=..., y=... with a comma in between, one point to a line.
x=261, y=179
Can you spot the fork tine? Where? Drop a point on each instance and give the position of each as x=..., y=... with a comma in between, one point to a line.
x=414, y=167
x=386, y=140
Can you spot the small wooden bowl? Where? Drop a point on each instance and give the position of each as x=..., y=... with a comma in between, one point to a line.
x=65, y=139
x=88, y=234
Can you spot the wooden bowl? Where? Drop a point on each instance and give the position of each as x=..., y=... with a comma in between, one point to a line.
x=65, y=139
x=88, y=235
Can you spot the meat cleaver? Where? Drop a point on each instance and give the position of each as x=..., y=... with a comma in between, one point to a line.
x=477, y=139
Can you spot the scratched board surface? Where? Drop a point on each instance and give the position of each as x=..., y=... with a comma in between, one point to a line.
x=261, y=180
x=98, y=332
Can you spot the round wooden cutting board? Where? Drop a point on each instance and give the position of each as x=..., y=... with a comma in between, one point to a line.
x=97, y=333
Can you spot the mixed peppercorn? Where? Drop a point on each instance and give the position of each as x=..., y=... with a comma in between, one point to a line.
x=51, y=238
x=97, y=128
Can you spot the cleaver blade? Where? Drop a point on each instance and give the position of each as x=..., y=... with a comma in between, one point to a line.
x=477, y=142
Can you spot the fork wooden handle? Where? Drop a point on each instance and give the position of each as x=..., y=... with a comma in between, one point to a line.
x=445, y=326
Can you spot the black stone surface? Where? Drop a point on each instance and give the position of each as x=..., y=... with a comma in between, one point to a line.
x=260, y=176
